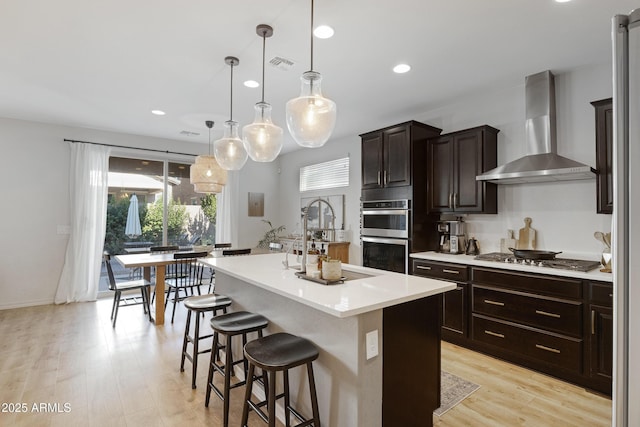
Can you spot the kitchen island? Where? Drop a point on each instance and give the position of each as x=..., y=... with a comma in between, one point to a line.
x=400, y=361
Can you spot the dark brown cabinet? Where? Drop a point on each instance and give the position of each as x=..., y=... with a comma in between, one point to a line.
x=454, y=160
x=455, y=302
x=389, y=154
x=600, y=352
x=561, y=326
x=604, y=155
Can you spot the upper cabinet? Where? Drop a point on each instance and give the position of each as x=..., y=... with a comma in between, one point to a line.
x=604, y=155
x=389, y=154
x=453, y=162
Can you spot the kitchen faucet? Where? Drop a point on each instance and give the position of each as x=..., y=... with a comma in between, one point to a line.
x=286, y=254
x=303, y=267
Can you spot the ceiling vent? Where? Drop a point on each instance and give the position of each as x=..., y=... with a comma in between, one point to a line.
x=281, y=63
x=189, y=133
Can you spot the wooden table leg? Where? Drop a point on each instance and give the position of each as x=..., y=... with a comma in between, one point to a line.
x=160, y=270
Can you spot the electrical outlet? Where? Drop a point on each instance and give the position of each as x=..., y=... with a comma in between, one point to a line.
x=371, y=340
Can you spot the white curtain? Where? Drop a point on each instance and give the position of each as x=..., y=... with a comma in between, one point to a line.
x=88, y=193
x=227, y=204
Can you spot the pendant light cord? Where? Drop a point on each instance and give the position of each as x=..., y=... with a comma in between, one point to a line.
x=264, y=43
x=231, y=97
x=311, y=35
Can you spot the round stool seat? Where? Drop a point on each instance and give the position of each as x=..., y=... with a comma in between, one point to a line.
x=280, y=351
x=207, y=302
x=238, y=322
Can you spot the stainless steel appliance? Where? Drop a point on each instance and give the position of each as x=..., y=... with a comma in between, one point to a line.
x=453, y=237
x=386, y=218
x=561, y=263
x=385, y=253
x=385, y=231
x=626, y=229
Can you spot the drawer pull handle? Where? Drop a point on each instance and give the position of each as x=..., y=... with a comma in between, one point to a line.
x=423, y=267
x=495, y=334
x=552, y=350
x=488, y=301
x=445, y=270
x=546, y=313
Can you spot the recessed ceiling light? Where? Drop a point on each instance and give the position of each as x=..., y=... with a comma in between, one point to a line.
x=323, y=32
x=401, y=68
x=562, y=1
x=158, y=112
x=251, y=83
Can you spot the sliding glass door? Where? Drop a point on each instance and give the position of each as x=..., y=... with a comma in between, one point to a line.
x=152, y=203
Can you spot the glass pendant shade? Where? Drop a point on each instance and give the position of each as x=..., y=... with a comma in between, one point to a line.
x=229, y=150
x=207, y=176
x=311, y=117
x=262, y=139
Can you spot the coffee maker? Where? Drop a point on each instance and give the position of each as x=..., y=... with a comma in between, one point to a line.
x=452, y=237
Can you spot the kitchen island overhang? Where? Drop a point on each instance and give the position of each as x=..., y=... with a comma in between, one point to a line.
x=405, y=312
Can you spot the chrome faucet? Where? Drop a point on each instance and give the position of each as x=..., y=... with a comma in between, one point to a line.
x=305, y=222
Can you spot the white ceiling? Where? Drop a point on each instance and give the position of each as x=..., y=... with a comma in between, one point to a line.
x=107, y=64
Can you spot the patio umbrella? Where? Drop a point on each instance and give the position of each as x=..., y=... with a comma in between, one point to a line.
x=133, y=228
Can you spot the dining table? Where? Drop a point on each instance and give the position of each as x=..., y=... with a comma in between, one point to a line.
x=146, y=260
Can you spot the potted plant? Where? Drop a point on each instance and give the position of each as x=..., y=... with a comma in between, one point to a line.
x=271, y=235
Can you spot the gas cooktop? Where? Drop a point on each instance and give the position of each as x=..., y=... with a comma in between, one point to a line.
x=561, y=263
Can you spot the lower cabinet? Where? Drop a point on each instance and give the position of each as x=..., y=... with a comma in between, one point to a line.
x=600, y=352
x=556, y=325
x=455, y=302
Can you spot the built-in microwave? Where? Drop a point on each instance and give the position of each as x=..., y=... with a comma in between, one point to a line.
x=386, y=218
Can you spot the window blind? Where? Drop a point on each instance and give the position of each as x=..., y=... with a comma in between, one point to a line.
x=331, y=174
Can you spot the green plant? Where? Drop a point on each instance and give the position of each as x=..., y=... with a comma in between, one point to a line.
x=271, y=235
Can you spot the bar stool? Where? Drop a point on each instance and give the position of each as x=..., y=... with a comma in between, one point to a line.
x=199, y=305
x=273, y=353
x=230, y=325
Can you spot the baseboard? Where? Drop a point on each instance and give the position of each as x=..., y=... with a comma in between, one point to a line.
x=26, y=304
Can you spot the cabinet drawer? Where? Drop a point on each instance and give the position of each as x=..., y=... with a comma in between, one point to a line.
x=601, y=293
x=440, y=270
x=534, y=283
x=561, y=351
x=548, y=313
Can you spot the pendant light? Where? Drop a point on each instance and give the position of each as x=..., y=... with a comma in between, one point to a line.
x=205, y=174
x=229, y=150
x=262, y=139
x=311, y=117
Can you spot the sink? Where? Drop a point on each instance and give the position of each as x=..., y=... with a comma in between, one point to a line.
x=354, y=275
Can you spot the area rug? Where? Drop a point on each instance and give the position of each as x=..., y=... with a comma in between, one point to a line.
x=453, y=390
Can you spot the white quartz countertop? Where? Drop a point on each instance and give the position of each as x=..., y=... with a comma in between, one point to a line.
x=353, y=297
x=469, y=260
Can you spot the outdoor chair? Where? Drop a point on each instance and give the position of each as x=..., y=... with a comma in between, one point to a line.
x=127, y=299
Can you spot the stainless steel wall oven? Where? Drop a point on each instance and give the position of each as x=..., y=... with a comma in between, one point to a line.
x=385, y=231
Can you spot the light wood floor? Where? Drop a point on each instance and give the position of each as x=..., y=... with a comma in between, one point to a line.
x=129, y=376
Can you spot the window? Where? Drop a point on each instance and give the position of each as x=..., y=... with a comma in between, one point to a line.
x=331, y=174
x=190, y=217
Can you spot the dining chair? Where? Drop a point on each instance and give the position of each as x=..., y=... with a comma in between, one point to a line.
x=127, y=299
x=188, y=275
x=169, y=273
x=233, y=252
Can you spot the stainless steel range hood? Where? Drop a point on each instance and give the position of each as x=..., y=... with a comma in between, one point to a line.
x=541, y=162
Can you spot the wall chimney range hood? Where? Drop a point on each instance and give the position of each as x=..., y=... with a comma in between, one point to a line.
x=541, y=164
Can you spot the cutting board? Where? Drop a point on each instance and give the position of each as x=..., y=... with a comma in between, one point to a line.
x=527, y=236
